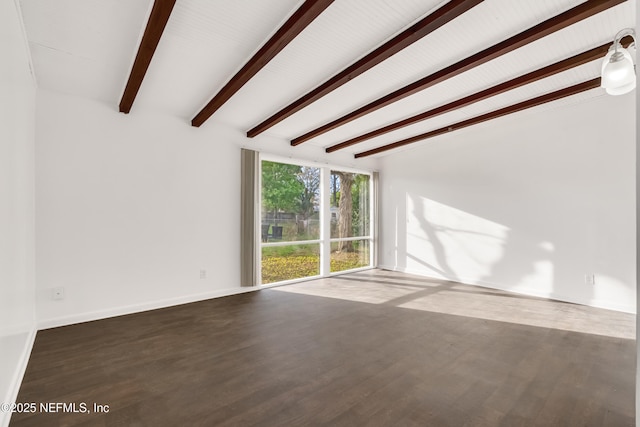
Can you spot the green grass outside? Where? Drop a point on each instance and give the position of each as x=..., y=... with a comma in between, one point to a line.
x=292, y=262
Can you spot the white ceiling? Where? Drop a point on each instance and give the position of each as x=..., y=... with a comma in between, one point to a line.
x=86, y=48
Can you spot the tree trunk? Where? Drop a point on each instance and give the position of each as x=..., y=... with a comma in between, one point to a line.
x=345, y=210
x=334, y=189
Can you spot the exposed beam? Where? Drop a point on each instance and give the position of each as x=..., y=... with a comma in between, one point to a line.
x=435, y=20
x=553, y=96
x=305, y=14
x=563, y=20
x=158, y=18
x=575, y=61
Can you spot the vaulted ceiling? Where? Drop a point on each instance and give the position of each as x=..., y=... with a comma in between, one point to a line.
x=339, y=74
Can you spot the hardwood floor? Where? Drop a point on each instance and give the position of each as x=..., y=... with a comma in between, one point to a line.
x=371, y=348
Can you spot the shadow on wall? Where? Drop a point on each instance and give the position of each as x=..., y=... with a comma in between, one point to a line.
x=527, y=266
x=454, y=244
x=448, y=243
x=551, y=201
x=558, y=249
x=524, y=217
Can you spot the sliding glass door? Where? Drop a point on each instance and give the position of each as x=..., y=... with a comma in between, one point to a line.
x=313, y=221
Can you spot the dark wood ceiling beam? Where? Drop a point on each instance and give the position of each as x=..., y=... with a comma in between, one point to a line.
x=563, y=20
x=305, y=14
x=553, y=96
x=435, y=20
x=158, y=18
x=575, y=61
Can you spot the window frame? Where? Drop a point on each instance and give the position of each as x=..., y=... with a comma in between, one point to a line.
x=325, y=239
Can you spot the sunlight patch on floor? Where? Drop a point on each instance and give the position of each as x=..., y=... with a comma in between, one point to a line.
x=419, y=293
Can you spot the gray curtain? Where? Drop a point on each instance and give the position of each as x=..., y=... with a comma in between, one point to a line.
x=249, y=204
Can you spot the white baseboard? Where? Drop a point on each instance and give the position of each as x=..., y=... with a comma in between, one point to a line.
x=608, y=305
x=154, y=305
x=521, y=291
x=137, y=308
x=18, y=375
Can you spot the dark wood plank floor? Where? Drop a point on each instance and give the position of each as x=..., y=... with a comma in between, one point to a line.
x=284, y=358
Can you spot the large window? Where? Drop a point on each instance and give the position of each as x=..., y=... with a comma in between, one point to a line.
x=313, y=221
x=290, y=222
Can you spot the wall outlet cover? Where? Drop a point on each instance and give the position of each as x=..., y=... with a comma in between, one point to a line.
x=58, y=293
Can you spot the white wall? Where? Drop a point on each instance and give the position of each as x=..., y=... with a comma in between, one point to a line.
x=529, y=203
x=17, y=98
x=132, y=207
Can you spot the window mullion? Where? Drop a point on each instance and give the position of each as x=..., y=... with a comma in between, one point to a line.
x=325, y=221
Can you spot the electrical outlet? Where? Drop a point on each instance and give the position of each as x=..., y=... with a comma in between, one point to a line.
x=590, y=279
x=203, y=274
x=58, y=293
